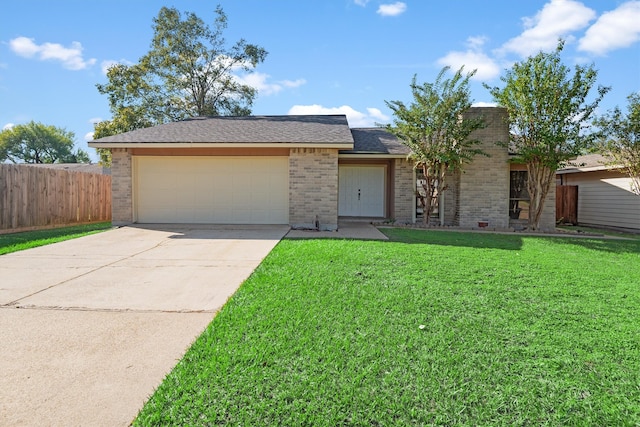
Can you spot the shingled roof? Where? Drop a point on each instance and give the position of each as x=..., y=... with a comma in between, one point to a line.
x=588, y=163
x=308, y=129
x=376, y=141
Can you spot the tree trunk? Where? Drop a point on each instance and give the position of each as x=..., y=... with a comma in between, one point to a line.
x=433, y=188
x=635, y=184
x=539, y=180
x=430, y=194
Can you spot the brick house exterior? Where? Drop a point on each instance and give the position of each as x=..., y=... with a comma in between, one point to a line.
x=305, y=171
x=313, y=187
x=121, y=180
x=483, y=191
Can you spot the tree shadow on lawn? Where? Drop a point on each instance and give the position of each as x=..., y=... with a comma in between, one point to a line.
x=616, y=246
x=503, y=241
x=454, y=238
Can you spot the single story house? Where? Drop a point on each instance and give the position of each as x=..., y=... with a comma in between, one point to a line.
x=604, y=193
x=305, y=171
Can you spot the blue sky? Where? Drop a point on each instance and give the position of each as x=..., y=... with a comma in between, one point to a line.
x=325, y=56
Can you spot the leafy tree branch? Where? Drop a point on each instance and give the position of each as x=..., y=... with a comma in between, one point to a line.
x=434, y=126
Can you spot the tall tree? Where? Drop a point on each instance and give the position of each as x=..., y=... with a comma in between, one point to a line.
x=622, y=139
x=436, y=130
x=187, y=72
x=549, y=118
x=38, y=143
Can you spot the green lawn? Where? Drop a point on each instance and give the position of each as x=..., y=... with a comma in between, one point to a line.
x=30, y=239
x=430, y=328
x=579, y=229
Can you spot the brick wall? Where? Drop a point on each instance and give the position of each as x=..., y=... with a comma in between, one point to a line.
x=484, y=184
x=451, y=198
x=121, y=184
x=404, y=191
x=313, y=187
x=548, y=219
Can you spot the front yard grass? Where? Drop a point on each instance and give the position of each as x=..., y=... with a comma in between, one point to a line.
x=30, y=239
x=429, y=328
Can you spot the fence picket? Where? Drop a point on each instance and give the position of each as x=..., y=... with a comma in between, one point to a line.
x=33, y=197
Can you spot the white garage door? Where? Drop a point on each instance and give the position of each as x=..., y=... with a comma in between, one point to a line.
x=212, y=190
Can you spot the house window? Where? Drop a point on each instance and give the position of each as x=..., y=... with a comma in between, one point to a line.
x=518, y=196
x=421, y=192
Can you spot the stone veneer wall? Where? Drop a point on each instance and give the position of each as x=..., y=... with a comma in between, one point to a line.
x=484, y=183
x=121, y=184
x=548, y=219
x=313, y=187
x=451, y=198
x=404, y=191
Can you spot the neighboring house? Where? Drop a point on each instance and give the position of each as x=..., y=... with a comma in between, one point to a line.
x=305, y=171
x=604, y=193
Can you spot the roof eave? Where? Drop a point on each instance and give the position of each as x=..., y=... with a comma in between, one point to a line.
x=587, y=169
x=340, y=146
x=372, y=156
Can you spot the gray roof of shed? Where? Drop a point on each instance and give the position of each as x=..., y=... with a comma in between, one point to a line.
x=376, y=141
x=309, y=129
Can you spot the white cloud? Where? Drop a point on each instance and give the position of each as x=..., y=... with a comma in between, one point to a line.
x=484, y=104
x=472, y=59
x=264, y=87
x=557, y=19
x=615, y=29
x=88, y=136
x=8, y=126
x=486, y=67
x=362, y=3
x=355, y=118
x=377, y=114
x=95, y=120
x=23, y=46
x=293, y=83
x=70, y=57
x=476, y=42
x=393, y=9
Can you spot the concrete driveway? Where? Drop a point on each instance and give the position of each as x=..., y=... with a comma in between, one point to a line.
x=89, y=327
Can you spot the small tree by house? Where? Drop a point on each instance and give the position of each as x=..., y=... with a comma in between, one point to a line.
x=622, y=139
x=549, y=118
x=436, y=130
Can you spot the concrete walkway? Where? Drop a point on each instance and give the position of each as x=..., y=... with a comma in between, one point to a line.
x=360, y=230
x=89, y=327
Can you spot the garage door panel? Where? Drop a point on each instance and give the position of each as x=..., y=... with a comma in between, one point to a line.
x=160, y=215
x=280, y=198
x=202, y=215
x=224, y=190
x=184, y=196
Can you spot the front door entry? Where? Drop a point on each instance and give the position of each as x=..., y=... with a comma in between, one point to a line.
x=361, y=191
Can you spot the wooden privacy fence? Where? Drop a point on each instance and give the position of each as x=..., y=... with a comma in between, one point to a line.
x=567, y=204
x=34, y=197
